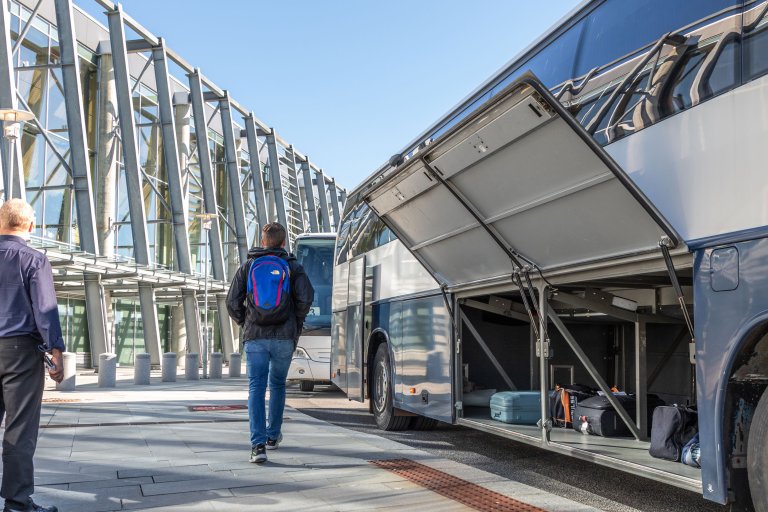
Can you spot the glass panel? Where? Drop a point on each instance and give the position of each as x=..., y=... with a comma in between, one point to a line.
x=57, y=110
x=31, y=87
x=316, y=256
x=618, y=28
x=755, y=41
x=34, y=48
x=55, y=217
x=33, y=148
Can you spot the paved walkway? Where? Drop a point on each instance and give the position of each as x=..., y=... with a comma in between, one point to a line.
x=141, y=447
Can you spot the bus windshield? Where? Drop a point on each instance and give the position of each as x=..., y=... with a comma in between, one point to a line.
x=316, y=256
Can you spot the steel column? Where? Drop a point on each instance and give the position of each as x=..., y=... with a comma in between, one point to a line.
x=334, y=204
x=209, y=194
x=309, y=194
x=258, y=182
x=543, y=344
x=488, y=352
x=641, y=374
x=176, y=190
x=276, y=179
x=133, y=178
x=584, y=359
x=324, y=217
x=13, y=176
x=294, y=176
x=81, y=175
x=233, y=175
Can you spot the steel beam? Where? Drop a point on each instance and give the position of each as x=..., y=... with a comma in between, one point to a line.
x=604, y=306
x=294, y=176
x=325, y=220
x=209, y=199
x=334, y=204
x=543, y=344
x=179, y=205
x=13, y=178
x=509, y=313
x=309, y=194
x=258, y=183
x=233, y=176
x=641, y=383
x=81, y=174
x=488, y=351
x=133, y=178
x=276, y=180
x=584, y=359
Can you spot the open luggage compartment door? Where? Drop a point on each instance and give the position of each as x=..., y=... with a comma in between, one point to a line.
x=519, y=177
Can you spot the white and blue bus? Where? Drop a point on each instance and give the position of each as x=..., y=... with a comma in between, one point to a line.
x=311, y=360
x=594, y=213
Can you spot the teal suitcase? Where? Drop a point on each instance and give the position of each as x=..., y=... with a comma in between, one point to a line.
x=520, y=407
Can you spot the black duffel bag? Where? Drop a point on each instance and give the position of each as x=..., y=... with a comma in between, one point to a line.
x=673, y=427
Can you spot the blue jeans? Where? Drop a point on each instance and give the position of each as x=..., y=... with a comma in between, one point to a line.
x=267, y=359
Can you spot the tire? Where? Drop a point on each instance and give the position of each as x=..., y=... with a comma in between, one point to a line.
x=757, y=455
x=423, y=423
x=306, y=385
x=381, y=393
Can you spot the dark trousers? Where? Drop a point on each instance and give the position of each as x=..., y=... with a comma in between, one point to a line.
x=21, y=395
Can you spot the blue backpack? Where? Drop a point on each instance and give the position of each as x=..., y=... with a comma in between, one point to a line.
x=269, y=289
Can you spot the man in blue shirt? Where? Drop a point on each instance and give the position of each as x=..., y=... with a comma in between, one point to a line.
x=29, y=326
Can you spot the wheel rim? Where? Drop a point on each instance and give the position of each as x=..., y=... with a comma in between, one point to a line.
x=381, y=385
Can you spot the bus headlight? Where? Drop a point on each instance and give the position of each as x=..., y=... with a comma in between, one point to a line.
x=300, y=353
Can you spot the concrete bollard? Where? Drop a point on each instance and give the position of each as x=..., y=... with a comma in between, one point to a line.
x=107, y=370
x=217, y=361
x=169, y=367
x=191, y=370
x=70, y=371
x=141, y=367
x=234, y=364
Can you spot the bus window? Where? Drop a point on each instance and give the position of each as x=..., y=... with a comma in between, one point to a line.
x=316, y=256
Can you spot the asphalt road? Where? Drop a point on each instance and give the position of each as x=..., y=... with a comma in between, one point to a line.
x=587, y=483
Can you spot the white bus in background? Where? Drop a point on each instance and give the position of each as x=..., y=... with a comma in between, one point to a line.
x=311, y=360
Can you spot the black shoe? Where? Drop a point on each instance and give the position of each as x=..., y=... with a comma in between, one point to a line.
x=258, y=455
x=273, y=443
x=31, y=507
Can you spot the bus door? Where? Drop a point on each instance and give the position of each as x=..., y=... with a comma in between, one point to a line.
x=356, y=329
x=517, y=188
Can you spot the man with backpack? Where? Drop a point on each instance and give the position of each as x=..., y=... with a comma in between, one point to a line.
x=269, y=298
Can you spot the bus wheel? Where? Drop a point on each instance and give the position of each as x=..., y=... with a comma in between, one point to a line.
x=757, y=455
x=307, y=385
x=381, y=393
x=423, y=423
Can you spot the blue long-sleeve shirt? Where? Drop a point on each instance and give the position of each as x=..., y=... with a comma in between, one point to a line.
x=28, y=304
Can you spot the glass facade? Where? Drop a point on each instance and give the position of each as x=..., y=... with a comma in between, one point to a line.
x=47, y=162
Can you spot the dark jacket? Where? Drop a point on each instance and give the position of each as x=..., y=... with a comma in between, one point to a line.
x=27, y=296
x=241, y=308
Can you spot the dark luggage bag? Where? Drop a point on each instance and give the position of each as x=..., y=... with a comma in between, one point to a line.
x=597, y=416
x=673, y=427
x=563, y=401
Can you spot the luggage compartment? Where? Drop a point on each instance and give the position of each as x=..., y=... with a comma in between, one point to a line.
x=604, y=317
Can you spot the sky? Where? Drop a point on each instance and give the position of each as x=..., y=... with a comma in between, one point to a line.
x=348, y=82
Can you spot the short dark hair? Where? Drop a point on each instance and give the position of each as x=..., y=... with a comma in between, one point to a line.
x=273, y=235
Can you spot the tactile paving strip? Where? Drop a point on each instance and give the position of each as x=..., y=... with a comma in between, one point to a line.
x=467, y=493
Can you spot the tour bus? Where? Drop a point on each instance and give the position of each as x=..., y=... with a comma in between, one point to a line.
x=594, y=213
x=311, y=361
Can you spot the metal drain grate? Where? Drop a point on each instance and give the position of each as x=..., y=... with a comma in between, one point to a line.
x=204, y=408
x=467, y=493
